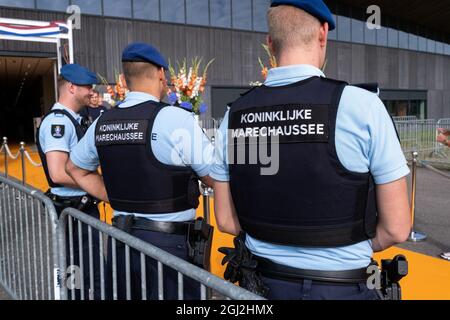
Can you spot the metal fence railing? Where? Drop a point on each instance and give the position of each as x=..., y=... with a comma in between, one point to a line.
x=165, y=263
x=404, y=118
x=28, y=243
x=38, y=260
x=420, y=136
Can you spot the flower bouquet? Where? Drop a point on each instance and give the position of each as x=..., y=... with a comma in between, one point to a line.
x=116, y=93
x=272, y=62
x=188, y=85
x=264, y=68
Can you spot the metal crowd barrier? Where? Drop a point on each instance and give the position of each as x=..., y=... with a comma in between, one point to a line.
x=404, y=118
x=420, y=136
x=414, y=236
x=34, y=245
x=28, y=243
x=183, y=268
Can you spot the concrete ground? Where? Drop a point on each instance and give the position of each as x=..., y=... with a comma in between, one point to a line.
x=432, y=214
x=3, y=294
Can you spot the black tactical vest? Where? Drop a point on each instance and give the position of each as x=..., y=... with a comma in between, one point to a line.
x=135, y=180
x=312, y=200
x=79, y=130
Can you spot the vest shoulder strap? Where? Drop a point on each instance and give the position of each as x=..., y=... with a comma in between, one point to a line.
x=64, y=112
x=75, y=123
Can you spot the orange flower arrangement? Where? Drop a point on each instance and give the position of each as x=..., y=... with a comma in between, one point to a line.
x=189, y=85
x=272, y=62
x=118, y=92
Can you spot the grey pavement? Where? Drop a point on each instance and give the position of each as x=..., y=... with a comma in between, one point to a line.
x=432, y=215
x=3, y=294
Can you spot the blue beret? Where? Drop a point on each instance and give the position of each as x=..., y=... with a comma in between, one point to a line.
x=316, y=8
x=78, y=75
x=142, y=52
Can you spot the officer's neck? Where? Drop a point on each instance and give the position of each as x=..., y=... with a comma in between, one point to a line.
x=147, y=89
x=70, y=104
x=295, y=56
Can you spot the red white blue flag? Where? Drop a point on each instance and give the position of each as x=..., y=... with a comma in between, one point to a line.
x=53, y=28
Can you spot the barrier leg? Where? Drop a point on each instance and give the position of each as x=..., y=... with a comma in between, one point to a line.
x=414, y=236
x=5, y=153
x=22, y=158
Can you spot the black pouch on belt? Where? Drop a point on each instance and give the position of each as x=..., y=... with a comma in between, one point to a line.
x=199, y=243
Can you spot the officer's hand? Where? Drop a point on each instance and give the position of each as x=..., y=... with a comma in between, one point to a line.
x=232, y=271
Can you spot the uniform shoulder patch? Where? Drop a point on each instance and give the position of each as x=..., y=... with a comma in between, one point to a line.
x=58, y=131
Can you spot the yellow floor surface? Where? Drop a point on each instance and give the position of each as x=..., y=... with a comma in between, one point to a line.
x=429, y=277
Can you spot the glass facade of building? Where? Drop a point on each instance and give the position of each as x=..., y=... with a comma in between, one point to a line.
x=249, y=15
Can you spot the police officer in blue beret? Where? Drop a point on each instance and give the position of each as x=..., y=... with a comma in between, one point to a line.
x=151, y=156
x=57, y=135
x=335, y=191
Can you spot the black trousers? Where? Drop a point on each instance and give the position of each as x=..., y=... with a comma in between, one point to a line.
x=74, y=270
x=171, y=243
x=314, y=290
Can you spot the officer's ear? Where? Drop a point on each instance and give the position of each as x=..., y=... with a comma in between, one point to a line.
x=162, y=74
x=71, y=87
x=323, y=34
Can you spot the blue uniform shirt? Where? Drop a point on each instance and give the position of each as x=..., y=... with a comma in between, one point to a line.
x=64, y=144
x=365, y=141
x=176, y=139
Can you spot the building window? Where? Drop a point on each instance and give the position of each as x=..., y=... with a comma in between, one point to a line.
x=117, y=8
x=332, y=35
x=221, y=13
x=439, y=47
x=370, y=36
x=146, y=9
x=447, y=49
x=343, y=28
x=173, y=11
x=403, y=40
x=358, y=31
x=382, y=36
x=242, y=14
x=403, y=108
x=393, y=38
x=413, y=42
x=197, y=12
x=431, y=46
x=422, y=44
x=52, y=5
x=89, y=6
x=401, y=103
x=260, y=15
x=18, y=3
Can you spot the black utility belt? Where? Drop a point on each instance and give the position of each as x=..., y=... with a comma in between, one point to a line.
x=271, y=269
x=75, y=201
x=128, y=222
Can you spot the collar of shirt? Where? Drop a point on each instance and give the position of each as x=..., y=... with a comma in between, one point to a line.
x=59, y=106
x=282, y=76
x=133, y=98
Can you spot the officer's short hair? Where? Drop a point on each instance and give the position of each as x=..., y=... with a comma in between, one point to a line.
x=60, y=83
x=291, y=27
x=138, y=70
